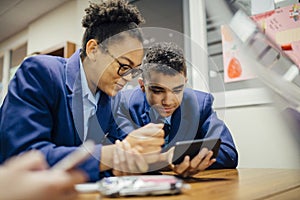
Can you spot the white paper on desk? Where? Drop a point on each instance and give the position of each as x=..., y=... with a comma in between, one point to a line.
x=259, y=6
x=87, y=187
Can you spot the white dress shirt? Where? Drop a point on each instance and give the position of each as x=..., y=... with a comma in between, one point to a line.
x=89, y=101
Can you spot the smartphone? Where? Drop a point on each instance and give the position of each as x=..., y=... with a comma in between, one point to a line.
x=192, y=148
x=76, y=157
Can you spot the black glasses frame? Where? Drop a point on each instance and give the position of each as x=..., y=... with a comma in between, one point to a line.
x=124, y=69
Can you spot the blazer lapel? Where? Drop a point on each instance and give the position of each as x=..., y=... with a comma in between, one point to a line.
x=185, y=120
x=175, y=123
x=176, y=128
x=74, y=96
x=104, y=114
x=189, y=117
x=145, y=118
x=151, y=115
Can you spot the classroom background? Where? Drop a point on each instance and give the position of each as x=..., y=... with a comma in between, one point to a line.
x=251, y=111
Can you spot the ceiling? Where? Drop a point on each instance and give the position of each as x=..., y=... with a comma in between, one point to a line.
x=15, y=15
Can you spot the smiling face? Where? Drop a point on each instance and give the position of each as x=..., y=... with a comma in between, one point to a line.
x=102, y=68
x=130, y=54
x=164, y=92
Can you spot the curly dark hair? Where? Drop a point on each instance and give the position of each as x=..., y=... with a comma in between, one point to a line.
x=109, y=18
x=164, y=57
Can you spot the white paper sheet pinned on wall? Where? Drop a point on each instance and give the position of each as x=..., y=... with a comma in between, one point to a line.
x=235, y=67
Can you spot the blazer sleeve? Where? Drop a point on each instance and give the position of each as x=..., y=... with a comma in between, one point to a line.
x=27, y=116
x=213, y=127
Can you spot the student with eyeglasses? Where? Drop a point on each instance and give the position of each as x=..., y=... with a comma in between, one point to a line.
x=162, y=96
x=53, y=104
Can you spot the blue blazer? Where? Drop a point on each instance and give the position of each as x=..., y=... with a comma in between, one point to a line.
x=194, y=119
x=43, y=110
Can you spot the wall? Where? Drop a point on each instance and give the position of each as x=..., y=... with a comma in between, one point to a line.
x=261, y=134
x=55, y=27
x=262, y=137
x=14, y=41
x=60, y=25
x=5, y=49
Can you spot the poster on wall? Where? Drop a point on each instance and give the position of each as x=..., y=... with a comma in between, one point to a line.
x=235, y=68
x=282, y=26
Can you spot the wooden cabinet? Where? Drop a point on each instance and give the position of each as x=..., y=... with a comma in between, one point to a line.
x=65, y=49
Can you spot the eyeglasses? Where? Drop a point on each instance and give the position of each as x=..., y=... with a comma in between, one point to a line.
x=124, y=69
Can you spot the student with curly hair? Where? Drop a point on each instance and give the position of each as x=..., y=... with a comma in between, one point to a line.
x=53, y=103
x=187, y=113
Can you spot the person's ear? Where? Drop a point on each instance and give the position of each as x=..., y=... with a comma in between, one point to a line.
x=142, y=84
x=186, y=80
x=91, y=49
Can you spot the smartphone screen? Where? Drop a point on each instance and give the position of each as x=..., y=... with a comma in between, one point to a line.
x=192, y=148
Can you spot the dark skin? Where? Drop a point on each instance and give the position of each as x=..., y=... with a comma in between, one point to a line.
x=165, y=92
x=102, y=73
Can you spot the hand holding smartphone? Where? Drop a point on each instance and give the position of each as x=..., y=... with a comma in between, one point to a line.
x=192, y=148
x=76, y=157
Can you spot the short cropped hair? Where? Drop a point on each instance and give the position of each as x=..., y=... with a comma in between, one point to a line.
x=164, y=57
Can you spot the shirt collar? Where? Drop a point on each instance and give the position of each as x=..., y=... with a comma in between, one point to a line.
x=148, y=108
x=86, y=92
x=168, y=119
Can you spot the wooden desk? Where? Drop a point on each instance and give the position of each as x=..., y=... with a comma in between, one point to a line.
x=233, y=184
